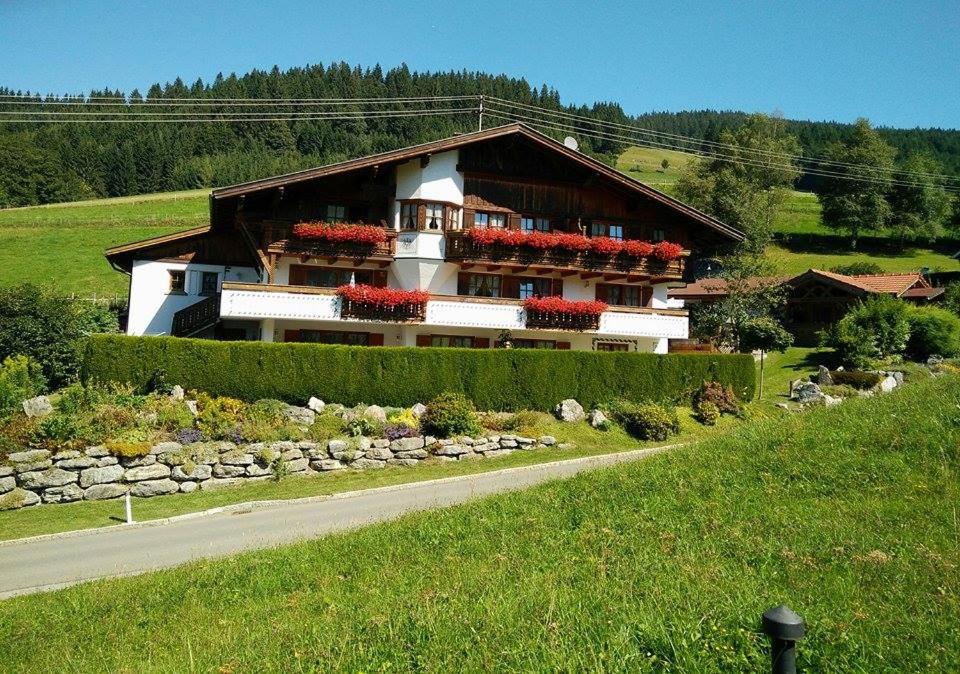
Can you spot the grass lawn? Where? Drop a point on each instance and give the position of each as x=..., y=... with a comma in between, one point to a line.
x=65, y=242
x=89, y=514
x=644, y=164
x=846, y=514
x=779, y=368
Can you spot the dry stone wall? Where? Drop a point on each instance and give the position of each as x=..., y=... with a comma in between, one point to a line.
x=40, y=476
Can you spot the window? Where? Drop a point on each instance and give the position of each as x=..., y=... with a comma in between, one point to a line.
x=453, y=218
x=624, y=295
x=614, y=231
x=336, y=213
x=534, y=287
x=533, y=343
x=208, y=283
x=327, y=337
x=178, y=281
x=408, y=216
x=482, y=285
x=612, y=346
x=484, y=220
x=332, y=277
x=528, y=224
x=434, y=216
x=659, y=235
x=447, y=340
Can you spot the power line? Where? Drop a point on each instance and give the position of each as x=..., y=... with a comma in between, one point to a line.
x=112, y=100
x=187, y=113
x=272, y=118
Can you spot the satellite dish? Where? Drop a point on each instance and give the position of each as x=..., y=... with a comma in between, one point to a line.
x=571, y=142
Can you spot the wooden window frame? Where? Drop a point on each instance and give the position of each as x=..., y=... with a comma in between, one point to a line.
x=536, y=221
x=471, y=338
x=175, y=286
x=336, y=218
x=449, y=215
x=659, y=234
x=463, y=284
x=644, y=294
x=365, y=335
x=607, y=225
x=552, y=343
x=378, y=277
x=204, y=275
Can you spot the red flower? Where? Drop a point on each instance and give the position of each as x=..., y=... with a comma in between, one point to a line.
x=667, y=251
x=485, y=236
x=575, y=243
x=384, y=297
x=558, y=305
x=321, y=231
x=604, y=245
x=540, y=240
x=638, y=248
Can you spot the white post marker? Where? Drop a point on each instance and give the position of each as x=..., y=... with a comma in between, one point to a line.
x=128, y=507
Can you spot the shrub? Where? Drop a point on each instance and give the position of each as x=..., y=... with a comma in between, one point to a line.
x=450, y=414
x=20, y=378
x=724, y=399
x=56, y=431
x=396, y=431
x=219, y=417
x=647, y=421
x=858, y=379
x=186, y=436
x=325, y=427
x=877, y=328
x=494, y=379
x=933, y=331
x=707, y=413
x=524, y=419
x=840, y=390
x=404, y=417
x=128, y=449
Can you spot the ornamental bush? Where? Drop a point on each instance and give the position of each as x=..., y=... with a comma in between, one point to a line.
x=450, y=414
x=933, y=331
x=877, y=328
x=20, y=378
x=719, y=397
x=646, y=421
x=494, y=379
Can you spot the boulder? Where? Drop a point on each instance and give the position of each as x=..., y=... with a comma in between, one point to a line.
x=292, y=455
x=151, y=472
x=99, y=492
x=898, y=376
x=107, y=461
x=37, y=407
x=7, y=484
x=508, y=444
x=807, y=392
x=221, y=472
x=6, y=470
x=418, y=410
x=316, y=404
x=413, y=454
x=823, y=376
x=92, y=476
x=64, y=454
x=302, y=416
x=52, y=477
x=364, y=464
x=29, y=456
x=547, y=440
x=78, y=463
x=65, y=494
x=256, y=470
x=380, y=453
x=177, y=392
x=888, y=384
x=380, y=443
x=455, y=450
x=18, y=498
x=200, y=472
x=298, y=465
x=328, y=464
x=166, y=448
x=407, y=444
x=188, y=487
x=149, y=488
x=236, y=458
x=598, y=419
x=192, y=406
x=376, y=413
x=32, y=466
x=97, y=452
x=135, y=461
x=569, y=410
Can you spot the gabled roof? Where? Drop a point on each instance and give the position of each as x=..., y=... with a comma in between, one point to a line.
x=897, y=285
x=709, y=288
x=455, y=142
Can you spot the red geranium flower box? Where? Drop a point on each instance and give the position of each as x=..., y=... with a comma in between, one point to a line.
x=382, y=304
x=559, y=314
x=366, y=235
x=667, y=251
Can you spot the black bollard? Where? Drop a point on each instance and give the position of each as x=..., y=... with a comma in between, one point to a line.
x=785, y=628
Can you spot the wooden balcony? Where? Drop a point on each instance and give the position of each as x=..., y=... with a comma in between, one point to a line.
x=554, y=320
x=367, y=311
x=306, y=248
x=462, y=250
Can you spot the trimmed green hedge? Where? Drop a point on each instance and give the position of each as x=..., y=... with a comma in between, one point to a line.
x=495, y=379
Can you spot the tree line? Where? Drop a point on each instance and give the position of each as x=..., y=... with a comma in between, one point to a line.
x=44, y=163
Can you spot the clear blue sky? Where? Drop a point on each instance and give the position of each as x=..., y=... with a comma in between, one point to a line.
x=896, y=63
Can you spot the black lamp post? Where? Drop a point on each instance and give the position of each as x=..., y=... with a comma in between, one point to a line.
x=785, y=628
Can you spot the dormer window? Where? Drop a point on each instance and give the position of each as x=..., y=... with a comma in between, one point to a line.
x=430, y=216
x=336, y=213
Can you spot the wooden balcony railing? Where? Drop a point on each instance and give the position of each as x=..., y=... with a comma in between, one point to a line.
x=293, y=246
x=400, y=313
x=198, y=316
x=461, y=248
x=555, y=320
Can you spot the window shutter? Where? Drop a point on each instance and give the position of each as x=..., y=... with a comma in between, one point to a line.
x=481, y=342
x=646, y=294
x=468, y=218
x=291, y=335
x=463, y=283
x=511, y=287
x=563, y=346
x=601, y=292
x=298, y=275
x=556, y=287
x=513, y=221
x=424, y=340
x=193, y=283
x=375, y=339
x=380, y=278
x=421, y=216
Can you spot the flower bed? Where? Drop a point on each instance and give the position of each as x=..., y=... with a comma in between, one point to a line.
x=574, y=243
x=364, y=301
x=367, y=235
x=558, y=313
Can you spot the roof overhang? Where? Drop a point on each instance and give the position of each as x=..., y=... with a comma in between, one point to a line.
x=121, y=257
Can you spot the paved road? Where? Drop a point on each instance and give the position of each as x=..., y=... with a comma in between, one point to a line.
x=52, y=562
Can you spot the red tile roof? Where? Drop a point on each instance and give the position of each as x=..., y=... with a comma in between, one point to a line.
x=893, y=284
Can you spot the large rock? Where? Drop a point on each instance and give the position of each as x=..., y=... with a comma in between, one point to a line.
x=18, y=498
x=823, y=376
x=888, y=384
x=406, y=444
x=7, y=484
x=188, y=487
x=455, y=450
x=380, y=453
x=65, y=494
x=37, y=407
x=29, y=456
x=151, y=472
x=100, y=492
x=6, y=470
x=316, y=405
x=135, y=461
x=176, y=393
x=807, y=392
x=547, y=440
x=598, y=419
x=166, y=448
x=236, y=458
x=413, y=454
x=328, y=464
x=302, y=416
x=298, y=465
x=221, y=472
x=256, y=470
x=418, y=410
x=78, y=463
x=569, y=410
x=376, y=413
x=200, y=472
x=107, y=474
x=364, y=464
x=149, y=488
x=97, y=452
x=52, y=477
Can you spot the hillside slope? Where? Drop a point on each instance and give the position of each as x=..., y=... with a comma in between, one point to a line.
x=664, y=565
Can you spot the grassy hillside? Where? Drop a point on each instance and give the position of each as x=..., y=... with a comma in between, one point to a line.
x=664, y=565
x=645, y=164
x=63, y=244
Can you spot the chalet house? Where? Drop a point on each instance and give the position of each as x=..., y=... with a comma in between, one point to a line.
x=502, y=237
x=817, y=299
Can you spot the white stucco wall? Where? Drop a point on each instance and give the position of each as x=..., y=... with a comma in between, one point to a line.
x=152, y=306
x=438, y=180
